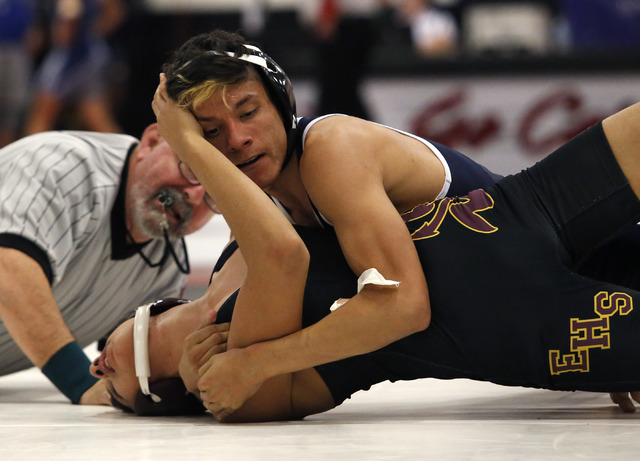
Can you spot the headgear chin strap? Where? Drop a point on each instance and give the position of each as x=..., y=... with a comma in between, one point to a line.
x=175, y=400
x=141, y=349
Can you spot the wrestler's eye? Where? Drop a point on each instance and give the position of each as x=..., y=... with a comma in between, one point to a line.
x=249, y=114
x=211, y=132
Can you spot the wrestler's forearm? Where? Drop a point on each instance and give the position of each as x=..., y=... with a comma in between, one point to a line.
x=366, y=323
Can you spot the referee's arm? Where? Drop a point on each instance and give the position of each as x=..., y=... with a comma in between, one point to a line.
x=32, y=317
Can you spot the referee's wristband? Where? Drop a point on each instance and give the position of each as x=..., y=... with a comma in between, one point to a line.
x=68, y=370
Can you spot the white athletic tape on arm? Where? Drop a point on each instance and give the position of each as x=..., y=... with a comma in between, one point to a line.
x=368, y=277
x=337, y=303
x=373, y=277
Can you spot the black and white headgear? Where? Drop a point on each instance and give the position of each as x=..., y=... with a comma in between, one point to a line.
x=278, y=87
x=166, y=397
x=191, y=66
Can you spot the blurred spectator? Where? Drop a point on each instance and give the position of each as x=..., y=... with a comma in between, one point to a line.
x=508, y=28
x=16, y=18
x=253, y=18
x=74, y=72
x=603, y=25
x=345, y=31
x=434, y=32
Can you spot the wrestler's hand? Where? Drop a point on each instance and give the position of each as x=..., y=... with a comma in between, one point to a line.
x=623, y=400
x=227, y=381
x=199, y=347
x=175, y=124
x=96, y=395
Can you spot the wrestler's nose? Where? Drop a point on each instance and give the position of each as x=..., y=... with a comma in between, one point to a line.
x=94, y=369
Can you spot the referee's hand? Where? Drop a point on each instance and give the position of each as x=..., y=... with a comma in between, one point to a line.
x=96, y=395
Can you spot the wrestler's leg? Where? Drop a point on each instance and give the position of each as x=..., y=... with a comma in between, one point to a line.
x=616, y=261
x=623, y=133
x=622, y=130
x=584, y=191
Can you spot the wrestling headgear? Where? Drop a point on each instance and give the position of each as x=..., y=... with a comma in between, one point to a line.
x=278, y=86
x=191, y=67
x=166, y=397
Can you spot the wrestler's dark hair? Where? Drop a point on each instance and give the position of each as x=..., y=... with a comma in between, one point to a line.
x=194, y=63
x=115, y=403
x=176, y=401
x=225, y=58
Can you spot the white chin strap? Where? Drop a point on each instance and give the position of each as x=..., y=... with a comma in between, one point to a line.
x=141, y=349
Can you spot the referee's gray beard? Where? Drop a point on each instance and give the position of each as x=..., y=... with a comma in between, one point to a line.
x=151, y=219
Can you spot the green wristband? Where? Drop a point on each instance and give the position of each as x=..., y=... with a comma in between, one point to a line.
x=68, y=370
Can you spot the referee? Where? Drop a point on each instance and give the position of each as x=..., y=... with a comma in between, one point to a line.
x=90, y=225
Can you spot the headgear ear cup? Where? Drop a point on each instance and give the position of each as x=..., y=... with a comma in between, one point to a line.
x=280, y=89
x=176, y=400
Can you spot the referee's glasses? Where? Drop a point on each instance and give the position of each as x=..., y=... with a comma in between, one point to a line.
x=187, y=174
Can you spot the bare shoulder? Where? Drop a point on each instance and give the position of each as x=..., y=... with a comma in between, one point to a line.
x=343, y=157
x=338, y=145
x=338, y=129
x=346, y=154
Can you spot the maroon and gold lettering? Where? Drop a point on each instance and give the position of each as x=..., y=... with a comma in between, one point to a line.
x=464, y=209
x=607, y=305
x=430, y=227
x=578, y=361
x=587, y=334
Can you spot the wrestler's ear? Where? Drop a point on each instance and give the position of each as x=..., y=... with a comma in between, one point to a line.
x=175, y=400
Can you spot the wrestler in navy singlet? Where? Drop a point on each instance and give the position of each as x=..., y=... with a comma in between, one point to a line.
x=505, y=306
x=463, y=173
x=614, y=261
x=466, y=174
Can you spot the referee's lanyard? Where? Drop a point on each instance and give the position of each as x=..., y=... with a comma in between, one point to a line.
x=168, y=249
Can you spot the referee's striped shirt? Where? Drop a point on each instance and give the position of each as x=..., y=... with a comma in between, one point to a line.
x=57, y=191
